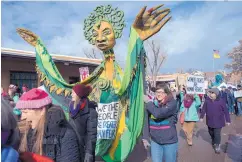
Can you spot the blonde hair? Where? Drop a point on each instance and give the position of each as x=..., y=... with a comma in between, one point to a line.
x=77, y=100
x=39, y=134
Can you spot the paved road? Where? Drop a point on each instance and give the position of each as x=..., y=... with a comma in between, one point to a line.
x=202, y=151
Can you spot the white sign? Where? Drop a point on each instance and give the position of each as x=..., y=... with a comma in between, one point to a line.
x=238, y=94
x=195, y=84
x=222, y=85
x=107, y=120
x=206, y=84
x=84, y=73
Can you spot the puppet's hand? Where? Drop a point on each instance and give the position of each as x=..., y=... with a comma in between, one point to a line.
x=148, y=23
x=28, y=36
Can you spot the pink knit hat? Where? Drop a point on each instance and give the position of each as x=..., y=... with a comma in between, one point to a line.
x=34, y=99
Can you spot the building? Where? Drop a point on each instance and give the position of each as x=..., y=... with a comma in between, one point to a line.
x=174, y=80
x=18, y=67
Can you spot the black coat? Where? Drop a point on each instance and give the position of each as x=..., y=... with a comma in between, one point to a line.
x=85, y=124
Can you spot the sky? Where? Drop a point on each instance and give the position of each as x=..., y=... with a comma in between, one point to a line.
x=188, y=39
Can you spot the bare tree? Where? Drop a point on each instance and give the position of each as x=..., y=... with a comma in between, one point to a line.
x=155, y=58
x=236, y=56
x=92, y=53
x=236, y=64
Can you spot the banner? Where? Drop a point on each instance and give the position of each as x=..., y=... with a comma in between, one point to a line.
x=107, y=120
x=195, y=84
x=84, y=73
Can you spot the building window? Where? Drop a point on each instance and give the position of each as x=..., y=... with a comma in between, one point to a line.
x=73, y=80
x=28, y=78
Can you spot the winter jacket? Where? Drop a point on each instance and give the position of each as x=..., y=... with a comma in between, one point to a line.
x=60, y=141
x=85, y=124
x=224, y=96
x=216, y=113
x=191, y=113
x=161, y=128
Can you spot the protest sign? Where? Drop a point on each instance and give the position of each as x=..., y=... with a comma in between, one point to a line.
x=195, y=84
x=237, y=94
x=84, y=73
x=107, y=120
x=222, y=85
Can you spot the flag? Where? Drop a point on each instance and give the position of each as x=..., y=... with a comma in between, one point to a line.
x=216, y=54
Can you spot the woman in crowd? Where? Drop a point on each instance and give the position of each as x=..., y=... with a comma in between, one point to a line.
x=9, y=133
x=190, y=107
x=160, y=120
x=3, y=93
x=12, y=92
x=47, y=132
x=83, y=117
x=180, y=95
x=216, y=113
x=24, y=89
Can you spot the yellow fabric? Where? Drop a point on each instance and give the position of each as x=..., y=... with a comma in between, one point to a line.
x=120, y=131
x=216, y=55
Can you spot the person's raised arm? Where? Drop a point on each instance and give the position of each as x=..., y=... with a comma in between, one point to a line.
x=163, y=112
x=197, y=101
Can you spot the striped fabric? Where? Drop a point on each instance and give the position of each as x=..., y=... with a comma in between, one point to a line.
x=216, y=54
x=164, y=124
x=160, y=127
x=33, y=104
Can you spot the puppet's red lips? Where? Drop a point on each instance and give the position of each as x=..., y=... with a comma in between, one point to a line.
x=102, y=45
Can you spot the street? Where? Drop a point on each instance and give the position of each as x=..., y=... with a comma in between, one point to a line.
x=202, y=151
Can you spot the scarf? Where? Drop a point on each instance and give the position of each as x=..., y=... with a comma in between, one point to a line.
x=80, y=106
x=188, y=100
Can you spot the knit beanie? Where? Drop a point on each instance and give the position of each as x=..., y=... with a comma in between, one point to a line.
x=214, y=90
x=82, y=90
x=34, y=99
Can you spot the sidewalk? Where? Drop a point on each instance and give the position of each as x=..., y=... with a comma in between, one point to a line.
x=202, y=150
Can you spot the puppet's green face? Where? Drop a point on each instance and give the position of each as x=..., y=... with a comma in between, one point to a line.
x=103, y=36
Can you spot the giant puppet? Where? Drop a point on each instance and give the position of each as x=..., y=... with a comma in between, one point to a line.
x=219, y=80
x=118, y=94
